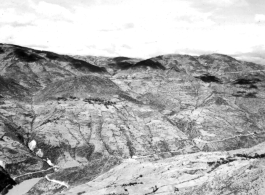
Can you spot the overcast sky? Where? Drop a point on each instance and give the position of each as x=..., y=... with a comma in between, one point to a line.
x=136, y=28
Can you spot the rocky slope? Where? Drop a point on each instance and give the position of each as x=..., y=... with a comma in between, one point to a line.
x=172, y=124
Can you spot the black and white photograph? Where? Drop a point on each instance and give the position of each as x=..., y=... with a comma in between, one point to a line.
x=132, y=97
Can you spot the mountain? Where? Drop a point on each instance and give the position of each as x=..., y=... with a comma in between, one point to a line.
x=171, y=124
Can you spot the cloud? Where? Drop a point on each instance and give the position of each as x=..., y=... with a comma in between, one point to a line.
x=34, y=46
x=254, y=59
x=129, y=28
x=259, y=17
x=226, y=3
x=51, y=10
x=256, y=54
x=128, y=25
x=10, y=15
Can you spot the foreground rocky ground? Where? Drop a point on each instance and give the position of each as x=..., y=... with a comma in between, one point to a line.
x=173, y=124
x=199, y=173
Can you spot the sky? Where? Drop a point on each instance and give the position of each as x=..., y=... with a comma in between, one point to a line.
x=137, y=28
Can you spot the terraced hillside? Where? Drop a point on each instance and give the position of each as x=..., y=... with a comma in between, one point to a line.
x=172, y=124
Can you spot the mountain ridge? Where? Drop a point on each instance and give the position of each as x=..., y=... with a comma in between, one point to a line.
x=76, y=119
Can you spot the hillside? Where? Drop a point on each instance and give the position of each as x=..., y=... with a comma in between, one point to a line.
x=171, y=124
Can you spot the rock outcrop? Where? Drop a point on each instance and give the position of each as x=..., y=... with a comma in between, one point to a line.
x=6, y=181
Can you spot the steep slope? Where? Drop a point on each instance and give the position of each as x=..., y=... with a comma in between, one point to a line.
x=84, y=86
x=35, y=69
x=10, y=89
x=113, y=65
x=77, y=121
x=6, y=181
x=200, y=173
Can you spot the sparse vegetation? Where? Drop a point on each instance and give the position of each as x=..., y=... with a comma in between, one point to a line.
x=149, y=63
x=209, y=78
x=148, y=115
x=25, y=56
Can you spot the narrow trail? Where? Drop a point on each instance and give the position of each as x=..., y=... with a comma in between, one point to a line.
x=56, y=181
x=33, y=173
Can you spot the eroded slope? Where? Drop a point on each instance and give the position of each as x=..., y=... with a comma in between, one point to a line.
x=73, y=121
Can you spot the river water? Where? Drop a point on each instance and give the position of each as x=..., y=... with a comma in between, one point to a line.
x=23, y=187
